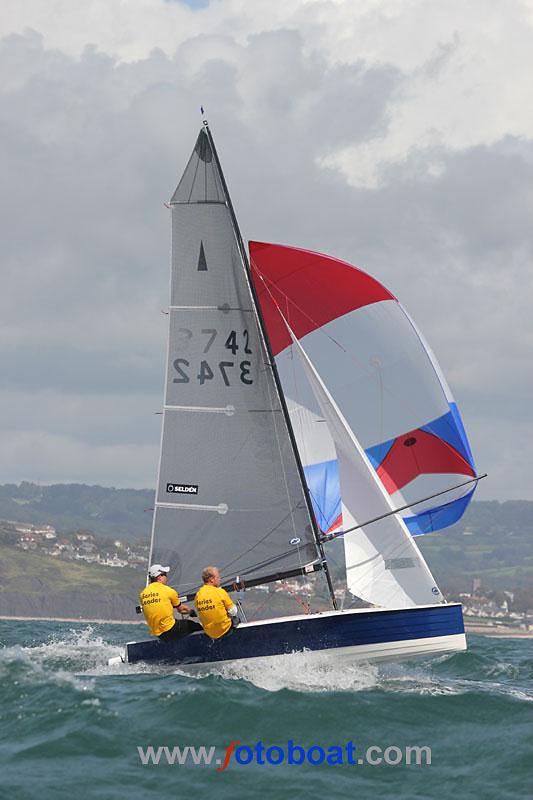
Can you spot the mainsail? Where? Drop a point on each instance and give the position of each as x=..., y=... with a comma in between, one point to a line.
x=383, y=376
x=229, y=489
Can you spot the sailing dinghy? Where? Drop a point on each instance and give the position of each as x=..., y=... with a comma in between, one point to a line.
x=302, y=405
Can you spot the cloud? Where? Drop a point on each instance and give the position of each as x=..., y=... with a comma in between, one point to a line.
x=401, y=141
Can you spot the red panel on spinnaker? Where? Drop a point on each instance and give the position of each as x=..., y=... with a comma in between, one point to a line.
x=382, y=374
x=426, y=453
x=310, y=290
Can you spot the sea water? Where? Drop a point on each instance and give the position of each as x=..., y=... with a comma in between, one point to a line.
x=72, y=726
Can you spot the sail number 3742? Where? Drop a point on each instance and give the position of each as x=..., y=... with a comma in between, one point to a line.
x=227, y=370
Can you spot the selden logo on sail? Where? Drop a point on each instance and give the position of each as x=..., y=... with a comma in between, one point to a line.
x=182, y=488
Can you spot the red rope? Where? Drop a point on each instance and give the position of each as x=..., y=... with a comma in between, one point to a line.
x=305, y=606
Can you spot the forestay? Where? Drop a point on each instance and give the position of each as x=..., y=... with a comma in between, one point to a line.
x=229, y=491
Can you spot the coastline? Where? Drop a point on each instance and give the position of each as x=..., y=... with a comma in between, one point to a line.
x=499, y=631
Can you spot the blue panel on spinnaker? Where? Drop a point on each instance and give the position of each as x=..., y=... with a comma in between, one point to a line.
x=378, y=452
x=461, y=428
x=324, y=488
x=439, y=517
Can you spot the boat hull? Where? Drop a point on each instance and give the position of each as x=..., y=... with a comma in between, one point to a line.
x=353, y=635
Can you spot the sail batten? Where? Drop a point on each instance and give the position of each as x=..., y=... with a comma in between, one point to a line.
x=221, y=508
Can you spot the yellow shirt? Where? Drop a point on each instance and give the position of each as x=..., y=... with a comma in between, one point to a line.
x=157, y=602
x=212, y=604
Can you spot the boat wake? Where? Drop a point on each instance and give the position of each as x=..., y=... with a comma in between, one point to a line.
x=454, y=674
x=307, y=672
x=303, y=672
x=77, y=657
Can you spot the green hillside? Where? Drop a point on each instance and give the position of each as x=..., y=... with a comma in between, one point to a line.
x=36, y=585
x=126, y=513
x=492, y=542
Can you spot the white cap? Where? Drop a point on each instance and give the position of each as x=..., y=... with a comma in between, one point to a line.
x=156, y=570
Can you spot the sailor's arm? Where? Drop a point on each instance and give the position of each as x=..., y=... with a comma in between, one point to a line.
x=231, y=608
x=178, y=605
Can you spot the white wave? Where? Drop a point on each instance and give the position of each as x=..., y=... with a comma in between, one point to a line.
x=429, y=687
x=33, y=668
x=503, y=668
x=520, y=694
x=301, y=672
x=123, y=668
x=422, y=680
x=324, y=672
x=69, y=658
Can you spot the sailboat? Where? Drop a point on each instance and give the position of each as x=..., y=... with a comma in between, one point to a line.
x=302, y=405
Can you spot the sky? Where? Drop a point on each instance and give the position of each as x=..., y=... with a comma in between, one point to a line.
x=394, y=134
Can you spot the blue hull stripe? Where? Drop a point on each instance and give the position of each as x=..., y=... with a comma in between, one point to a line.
x=308, y=633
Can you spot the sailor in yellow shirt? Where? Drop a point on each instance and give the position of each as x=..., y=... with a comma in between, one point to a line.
x=158, y=602
x=216, y=610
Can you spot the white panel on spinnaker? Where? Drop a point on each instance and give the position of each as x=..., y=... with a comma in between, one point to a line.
x=381, y=377
x=383, y=564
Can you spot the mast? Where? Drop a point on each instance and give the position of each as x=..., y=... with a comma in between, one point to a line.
x=272, y=364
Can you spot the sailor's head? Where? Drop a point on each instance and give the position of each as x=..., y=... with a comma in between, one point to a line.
x=158, y=573
x=211, y=575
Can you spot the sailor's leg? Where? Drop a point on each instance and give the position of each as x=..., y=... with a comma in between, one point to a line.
x=181, y=628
